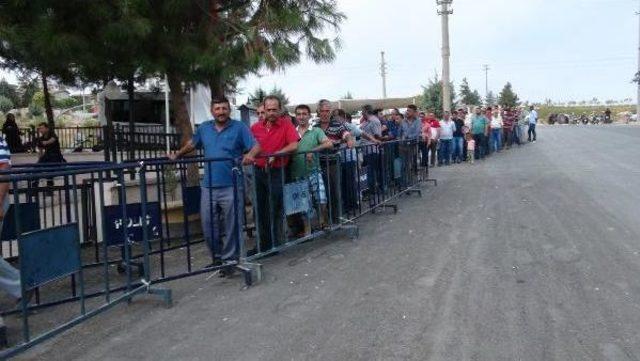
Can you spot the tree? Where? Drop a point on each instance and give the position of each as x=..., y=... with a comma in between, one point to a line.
x=490, y=99
x=9, y=91
x=257, y=97
x=347, y=96
x=280, y=94
x=27, y=87
x=507, y=98
x=432, y=96
x=33, y=39
x=468, y=97
x=5, y=104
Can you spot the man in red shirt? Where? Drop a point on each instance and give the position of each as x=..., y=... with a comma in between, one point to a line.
x=434, y=126
x=277, y=138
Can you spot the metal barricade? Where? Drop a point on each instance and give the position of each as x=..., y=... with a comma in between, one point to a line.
x=335, y=189
x=49, y=265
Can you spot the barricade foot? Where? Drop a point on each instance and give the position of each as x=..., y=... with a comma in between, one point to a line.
x=434, y=181
x=165, y=293
x=252, y=273
x=122, y=267
x=353, y=231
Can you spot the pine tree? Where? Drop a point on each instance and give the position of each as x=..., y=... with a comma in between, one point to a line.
x=432, y=96
x=257, y=97
x=468, y=97
x=507, y=98
x=275, y=91
x=490, y=99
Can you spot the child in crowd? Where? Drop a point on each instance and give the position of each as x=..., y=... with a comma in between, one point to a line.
x=471, y=147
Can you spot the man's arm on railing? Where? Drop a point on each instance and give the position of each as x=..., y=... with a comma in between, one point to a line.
x=187, y=148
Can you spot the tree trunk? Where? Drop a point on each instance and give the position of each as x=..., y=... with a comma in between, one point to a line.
x=47, y=101
x=182, y=123
x=132, y=117
x=180, y=110
x=217, y=87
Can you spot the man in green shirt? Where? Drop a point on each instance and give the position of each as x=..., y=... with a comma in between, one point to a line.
x=305, y=165
x=479, y=130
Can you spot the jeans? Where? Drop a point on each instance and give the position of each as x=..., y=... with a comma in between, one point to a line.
x=458, y=147
x=496, y=139
x=517, y=134
x=331, y=176
x=212, y=202
x=433, y=147
x=424, y=154
x=374, y=174
x=10, y=279
x=444, y=154
x=532, y=130
x=269, y=184
x=508, y=137
x=349, y=186
x=480, y=148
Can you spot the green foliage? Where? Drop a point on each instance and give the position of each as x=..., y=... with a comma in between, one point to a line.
x=27, y=87
x=35, y=110
x=257, y=97
x=490, y=99
x=468, y=97
x=5, y=104
x=347, y=96
x=431, y=98
x=37, y=99
x=275, y=91
x=9, y=91
x=507, y=98
x=91, y=123
x=67, y=103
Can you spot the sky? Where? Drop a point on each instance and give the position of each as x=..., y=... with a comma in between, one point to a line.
x=559, y=49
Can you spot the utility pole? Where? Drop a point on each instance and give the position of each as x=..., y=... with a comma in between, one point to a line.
x=638, y=73
x=486, y=80
x=445, y=11
x=383, y=73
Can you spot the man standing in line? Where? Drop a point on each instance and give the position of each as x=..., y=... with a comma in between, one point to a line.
x=447, y=128
x=458, y=137
x=411, y=132
x=479, y=130
x=508, y=121
x=277, y=138
x=372, y=128
x=533, y=120
x=222, y=138
x=348, y=162
x=434, y=129
x=338, y=133
x=306, y=166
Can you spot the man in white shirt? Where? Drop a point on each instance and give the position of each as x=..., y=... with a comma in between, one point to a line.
x=447, y=127
x=533, y=120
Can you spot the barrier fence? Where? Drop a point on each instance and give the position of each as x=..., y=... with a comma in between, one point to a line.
x=90, y=235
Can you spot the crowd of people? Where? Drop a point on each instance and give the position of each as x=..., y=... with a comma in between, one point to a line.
x=325, y=153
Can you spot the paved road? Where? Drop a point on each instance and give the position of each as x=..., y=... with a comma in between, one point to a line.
x=532, y=254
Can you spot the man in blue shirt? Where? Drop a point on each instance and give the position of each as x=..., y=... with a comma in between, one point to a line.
x=226, y=140
x=533, y=120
